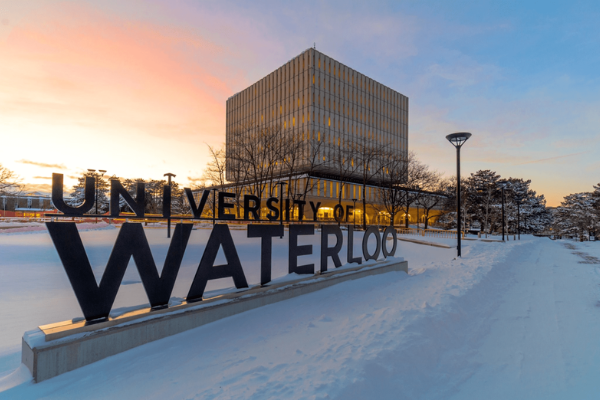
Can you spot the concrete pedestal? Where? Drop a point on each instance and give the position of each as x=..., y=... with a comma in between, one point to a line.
x=63, y=347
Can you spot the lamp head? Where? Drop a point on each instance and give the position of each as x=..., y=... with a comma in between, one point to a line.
x=458, y=138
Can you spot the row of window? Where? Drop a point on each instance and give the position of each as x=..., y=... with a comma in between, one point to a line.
x=320, y=116
x=331, y=125
x=332, y=138
x=293, y=77
x=312, y=59
x=322, y=86
x=319, y=95
x=274, y=113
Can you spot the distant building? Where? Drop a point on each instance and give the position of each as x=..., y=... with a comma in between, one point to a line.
x=325, y=110
x=25, y=204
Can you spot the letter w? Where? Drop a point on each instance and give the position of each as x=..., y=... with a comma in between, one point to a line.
x=97, y=300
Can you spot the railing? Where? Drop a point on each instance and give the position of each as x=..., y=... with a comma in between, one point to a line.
x=437, y=233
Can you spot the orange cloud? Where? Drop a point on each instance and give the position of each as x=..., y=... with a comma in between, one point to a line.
x=43, y=165
x=74, y=78
x=90, y=67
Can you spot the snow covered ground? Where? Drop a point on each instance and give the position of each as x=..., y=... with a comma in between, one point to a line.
x=516, y=320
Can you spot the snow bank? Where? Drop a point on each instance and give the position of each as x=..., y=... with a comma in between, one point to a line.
x=512, y=320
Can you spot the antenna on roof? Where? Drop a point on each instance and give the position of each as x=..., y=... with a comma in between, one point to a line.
x=315, y=44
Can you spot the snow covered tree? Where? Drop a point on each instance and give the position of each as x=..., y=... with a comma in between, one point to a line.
x=482, y=202
x=483, y=195
x=576, y=215
x=534, y=216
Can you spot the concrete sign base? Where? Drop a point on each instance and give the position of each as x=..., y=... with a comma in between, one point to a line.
x=62, y=347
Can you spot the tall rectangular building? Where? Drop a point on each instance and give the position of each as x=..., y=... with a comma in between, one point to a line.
x=322, y=104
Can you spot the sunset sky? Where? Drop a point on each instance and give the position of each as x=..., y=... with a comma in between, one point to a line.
x=139, y=88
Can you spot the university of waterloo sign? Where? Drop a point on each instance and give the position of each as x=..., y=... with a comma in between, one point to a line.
x=96, y=300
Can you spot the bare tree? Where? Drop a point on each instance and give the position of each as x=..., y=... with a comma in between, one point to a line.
x=312, y=163
x=431, y=201
x=215, y=168
x=292, y=147
x=9, y=181
x=257, y=152
x=391, y=177
x=369, y=157
x=418, y=178
x=215, y=173
x=343, y=163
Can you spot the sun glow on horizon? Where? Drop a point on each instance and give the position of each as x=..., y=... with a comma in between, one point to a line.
x=86, y=90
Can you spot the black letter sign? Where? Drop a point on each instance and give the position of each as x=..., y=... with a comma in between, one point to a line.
x=97, y=300
x=207, y=271
x=59, y=203
x=332, y=252
x=296, y=251
x=266, y=232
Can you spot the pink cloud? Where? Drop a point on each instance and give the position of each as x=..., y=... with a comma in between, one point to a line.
x=80, y=66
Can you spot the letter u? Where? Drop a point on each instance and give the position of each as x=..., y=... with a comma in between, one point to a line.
x=59, y=203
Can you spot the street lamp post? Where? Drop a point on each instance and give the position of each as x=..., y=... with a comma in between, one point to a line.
x=97, y=179
x=214, y=205
x=300, y=217
x=281, y=203
x=502, y=184
x=354, y=214
x=457, y=140
x=281, y=200
x=518, y=200
x=169, y=175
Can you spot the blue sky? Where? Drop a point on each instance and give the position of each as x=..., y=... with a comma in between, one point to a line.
x=521, y=76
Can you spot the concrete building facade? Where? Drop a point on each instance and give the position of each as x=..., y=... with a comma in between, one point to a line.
x=314, y=98
x=322, y=107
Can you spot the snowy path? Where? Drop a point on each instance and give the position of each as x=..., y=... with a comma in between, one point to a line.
x=529, y=330
x=518, y=320
x=544, y=337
